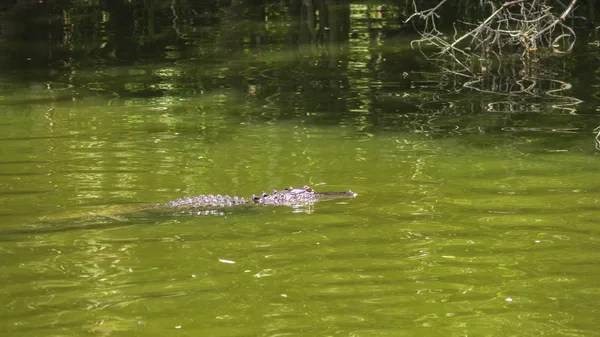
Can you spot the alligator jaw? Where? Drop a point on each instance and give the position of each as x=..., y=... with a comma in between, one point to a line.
x=335, y=195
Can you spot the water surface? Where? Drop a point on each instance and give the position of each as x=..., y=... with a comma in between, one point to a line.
x=475, y=215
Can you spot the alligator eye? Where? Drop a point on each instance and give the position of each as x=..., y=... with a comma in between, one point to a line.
x=307, y=188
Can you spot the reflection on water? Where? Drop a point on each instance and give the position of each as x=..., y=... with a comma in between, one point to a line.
x=475, y=214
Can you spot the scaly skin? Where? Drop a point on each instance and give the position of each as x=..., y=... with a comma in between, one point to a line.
x=293, y=197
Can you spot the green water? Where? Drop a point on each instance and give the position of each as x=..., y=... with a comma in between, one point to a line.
x=446, y=237
x=476, y=214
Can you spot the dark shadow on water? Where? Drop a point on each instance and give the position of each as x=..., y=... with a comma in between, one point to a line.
x=24, y=192
x=103, y=222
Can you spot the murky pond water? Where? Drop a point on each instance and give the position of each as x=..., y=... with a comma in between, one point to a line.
x=468, y=220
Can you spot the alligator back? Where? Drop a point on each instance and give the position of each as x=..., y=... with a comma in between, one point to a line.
x=207, y=201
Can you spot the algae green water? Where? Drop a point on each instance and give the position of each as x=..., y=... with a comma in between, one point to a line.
x=446, y=237
x=476, y=215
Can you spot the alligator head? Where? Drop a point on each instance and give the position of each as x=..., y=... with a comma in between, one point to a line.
x=298, y=196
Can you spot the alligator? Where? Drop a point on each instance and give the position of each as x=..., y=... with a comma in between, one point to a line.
x=296, y=197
